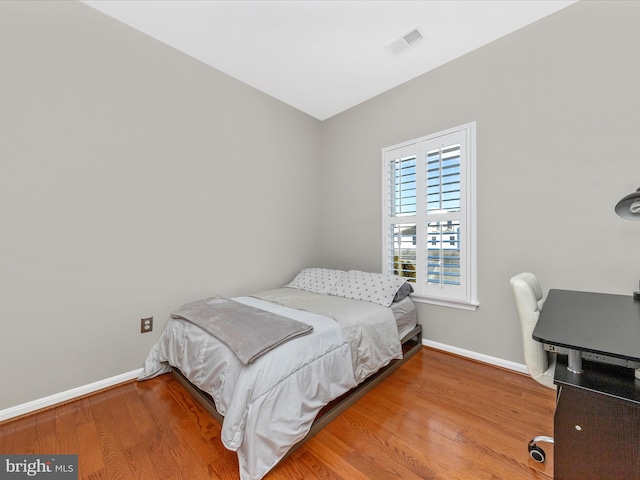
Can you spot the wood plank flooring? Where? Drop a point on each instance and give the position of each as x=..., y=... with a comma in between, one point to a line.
x=438, y=417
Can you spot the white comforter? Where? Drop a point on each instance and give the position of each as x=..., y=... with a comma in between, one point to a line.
x=270, y=404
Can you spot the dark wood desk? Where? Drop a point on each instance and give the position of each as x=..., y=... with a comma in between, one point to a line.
x=597, y=323
x=597, y=418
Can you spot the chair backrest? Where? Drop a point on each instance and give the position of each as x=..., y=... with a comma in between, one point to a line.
x=527, y=294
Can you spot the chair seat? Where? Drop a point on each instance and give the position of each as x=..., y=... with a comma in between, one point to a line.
x=546, y=378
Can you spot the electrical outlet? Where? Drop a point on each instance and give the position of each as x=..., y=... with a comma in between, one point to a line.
x=146, y=324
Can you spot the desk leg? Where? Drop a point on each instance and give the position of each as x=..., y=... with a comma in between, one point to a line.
x=575, y=361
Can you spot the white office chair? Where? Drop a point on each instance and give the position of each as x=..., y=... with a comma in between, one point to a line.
x=541, y=364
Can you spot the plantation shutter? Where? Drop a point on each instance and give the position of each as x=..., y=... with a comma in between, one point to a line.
x=426, y=216
x=402, y=203
x=445, y=217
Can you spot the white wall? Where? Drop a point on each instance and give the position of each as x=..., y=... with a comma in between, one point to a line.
x=557, y=106
x=132, y=179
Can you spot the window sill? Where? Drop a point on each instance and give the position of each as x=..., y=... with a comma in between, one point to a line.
x=471, y=306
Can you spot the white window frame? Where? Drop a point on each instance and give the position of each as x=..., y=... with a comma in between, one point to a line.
x=464, y=295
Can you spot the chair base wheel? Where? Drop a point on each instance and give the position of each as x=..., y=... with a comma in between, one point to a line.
x=536, y=453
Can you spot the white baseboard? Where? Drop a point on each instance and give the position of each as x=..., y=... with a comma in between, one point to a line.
x=109, y=382
x=499, y=362
x=68, y=395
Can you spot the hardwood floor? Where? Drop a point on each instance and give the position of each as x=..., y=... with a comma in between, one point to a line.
x=438, y=417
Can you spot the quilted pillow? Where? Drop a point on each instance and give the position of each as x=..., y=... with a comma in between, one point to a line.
x=373, y=287
x=316, y=280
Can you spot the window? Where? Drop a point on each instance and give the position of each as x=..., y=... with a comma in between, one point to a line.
x=429, y=215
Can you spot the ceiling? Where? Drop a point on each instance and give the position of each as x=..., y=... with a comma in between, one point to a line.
x=324, y=56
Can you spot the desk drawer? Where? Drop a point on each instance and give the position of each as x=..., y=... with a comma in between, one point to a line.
x=596, y=437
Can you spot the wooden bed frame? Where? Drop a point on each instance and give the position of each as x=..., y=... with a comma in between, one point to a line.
x=411, y=344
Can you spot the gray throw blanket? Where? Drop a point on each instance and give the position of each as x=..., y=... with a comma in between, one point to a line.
x=248, y=331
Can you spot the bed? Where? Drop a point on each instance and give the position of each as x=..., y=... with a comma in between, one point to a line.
x=351, y=330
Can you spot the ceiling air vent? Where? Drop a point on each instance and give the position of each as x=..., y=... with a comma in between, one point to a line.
x=400, y=44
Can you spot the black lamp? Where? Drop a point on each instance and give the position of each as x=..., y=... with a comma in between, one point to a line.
x=629, y=206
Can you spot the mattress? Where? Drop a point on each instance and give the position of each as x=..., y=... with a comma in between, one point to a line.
x=405, y=315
